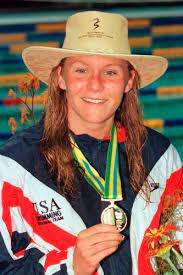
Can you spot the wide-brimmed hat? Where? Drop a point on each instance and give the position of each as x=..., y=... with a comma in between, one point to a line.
x=94, y=33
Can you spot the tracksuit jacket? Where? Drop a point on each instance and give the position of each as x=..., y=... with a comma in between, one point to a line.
x=39, y=227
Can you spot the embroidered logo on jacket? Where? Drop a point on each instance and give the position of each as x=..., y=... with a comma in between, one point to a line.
x=154, y=186
x=47, y=212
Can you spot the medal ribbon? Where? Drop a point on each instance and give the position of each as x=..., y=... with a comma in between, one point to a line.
x=110, y=188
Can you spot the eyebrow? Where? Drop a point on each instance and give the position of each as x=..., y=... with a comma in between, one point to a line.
x=83, y=63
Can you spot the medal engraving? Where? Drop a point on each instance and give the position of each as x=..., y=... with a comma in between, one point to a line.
x=114, y=215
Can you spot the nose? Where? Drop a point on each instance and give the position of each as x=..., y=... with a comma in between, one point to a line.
x=95, y=83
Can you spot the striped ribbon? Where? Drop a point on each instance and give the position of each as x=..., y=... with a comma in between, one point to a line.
x=110, y=188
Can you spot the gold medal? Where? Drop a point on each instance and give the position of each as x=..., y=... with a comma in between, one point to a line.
x=114, y=215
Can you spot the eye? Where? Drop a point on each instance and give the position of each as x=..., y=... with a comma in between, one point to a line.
x=81, y=70
x=110, y=72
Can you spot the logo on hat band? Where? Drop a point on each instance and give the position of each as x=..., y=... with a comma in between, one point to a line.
x=96, y=23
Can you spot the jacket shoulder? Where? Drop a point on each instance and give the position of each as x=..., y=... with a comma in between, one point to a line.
x=154, y=148
x=157, y=140
x=23, y=146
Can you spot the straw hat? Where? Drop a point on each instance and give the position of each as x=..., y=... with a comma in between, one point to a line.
x=94, y=33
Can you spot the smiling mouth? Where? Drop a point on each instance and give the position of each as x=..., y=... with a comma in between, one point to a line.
x=92, y=100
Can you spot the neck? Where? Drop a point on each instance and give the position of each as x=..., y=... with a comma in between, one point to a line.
x=96, y=130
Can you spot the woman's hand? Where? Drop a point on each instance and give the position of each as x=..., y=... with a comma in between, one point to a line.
x=93, y=245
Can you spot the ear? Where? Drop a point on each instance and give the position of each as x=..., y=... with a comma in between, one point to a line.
x=61, y=81
x=130, y=82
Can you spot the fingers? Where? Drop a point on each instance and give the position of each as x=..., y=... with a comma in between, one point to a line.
x=103, y=254
x=89, y=246
x=93, y=245
x=98, y=228
x=99, y=247
x=95, y=254
x=98, y=235
x=101, y=237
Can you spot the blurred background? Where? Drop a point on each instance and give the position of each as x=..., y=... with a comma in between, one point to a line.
x=155, y=27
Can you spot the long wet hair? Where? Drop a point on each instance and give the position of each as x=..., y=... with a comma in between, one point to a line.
x=56, y=146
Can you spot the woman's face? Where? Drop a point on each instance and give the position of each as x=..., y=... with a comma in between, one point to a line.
x=94, y=87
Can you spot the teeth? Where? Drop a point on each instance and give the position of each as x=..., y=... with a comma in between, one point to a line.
x=93, y=100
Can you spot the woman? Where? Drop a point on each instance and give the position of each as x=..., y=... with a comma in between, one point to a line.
x=86, y=182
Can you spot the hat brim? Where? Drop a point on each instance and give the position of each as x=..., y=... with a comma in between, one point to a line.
x=41, y=60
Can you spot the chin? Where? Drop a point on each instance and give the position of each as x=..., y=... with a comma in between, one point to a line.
x=97, y=117
x=95, y=120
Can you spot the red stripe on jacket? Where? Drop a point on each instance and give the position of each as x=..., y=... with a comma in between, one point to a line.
x=54, y=257
x=13, y=196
